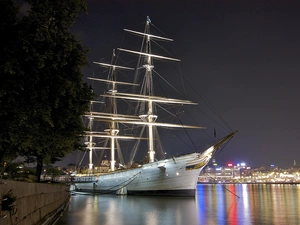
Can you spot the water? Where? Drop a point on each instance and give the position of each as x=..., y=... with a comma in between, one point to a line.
x=214, y=204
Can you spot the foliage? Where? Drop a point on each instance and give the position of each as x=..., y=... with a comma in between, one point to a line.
x=17, y=171
x=44, y=95
x=54, y=172
x=8, y=201
x=12, y=169
x=8, y=21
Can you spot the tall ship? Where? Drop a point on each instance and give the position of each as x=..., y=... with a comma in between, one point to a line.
x=124, y=122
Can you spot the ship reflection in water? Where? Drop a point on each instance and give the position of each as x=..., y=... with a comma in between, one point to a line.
x=214, y=204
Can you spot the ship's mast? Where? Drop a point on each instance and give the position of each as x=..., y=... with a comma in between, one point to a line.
x=113, y=130
x=90, y=143
x=150, y=116
x=147, y=92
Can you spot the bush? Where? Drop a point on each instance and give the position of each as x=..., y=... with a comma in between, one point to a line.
x=8, y=201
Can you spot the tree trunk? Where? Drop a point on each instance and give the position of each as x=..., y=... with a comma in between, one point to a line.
x=39, y=167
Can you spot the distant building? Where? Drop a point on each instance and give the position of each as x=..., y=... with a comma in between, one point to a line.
x=243, y=174
x=71, y=167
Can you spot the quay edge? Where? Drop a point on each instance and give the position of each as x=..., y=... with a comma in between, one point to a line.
x=35, y=203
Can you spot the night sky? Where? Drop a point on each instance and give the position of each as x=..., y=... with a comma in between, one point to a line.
x=243, y=55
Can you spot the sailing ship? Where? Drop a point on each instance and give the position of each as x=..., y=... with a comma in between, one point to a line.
x=173, y=176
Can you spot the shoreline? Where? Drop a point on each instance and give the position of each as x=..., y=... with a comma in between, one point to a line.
x=290, y=183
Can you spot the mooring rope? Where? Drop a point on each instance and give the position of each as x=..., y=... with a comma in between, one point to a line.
x=224, y=187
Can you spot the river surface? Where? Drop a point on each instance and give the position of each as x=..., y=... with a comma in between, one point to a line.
x=214, y=204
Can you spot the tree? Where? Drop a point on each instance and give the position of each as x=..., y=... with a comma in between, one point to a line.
x=54, y=172
x=8, y=20
x=50, y=95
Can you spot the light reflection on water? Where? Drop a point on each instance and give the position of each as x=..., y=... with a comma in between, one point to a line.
x=213, y=204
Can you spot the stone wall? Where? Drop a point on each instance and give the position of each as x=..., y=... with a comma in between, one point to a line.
x=35, y=203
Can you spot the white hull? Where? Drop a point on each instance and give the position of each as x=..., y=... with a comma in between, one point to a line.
x=175, y=176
